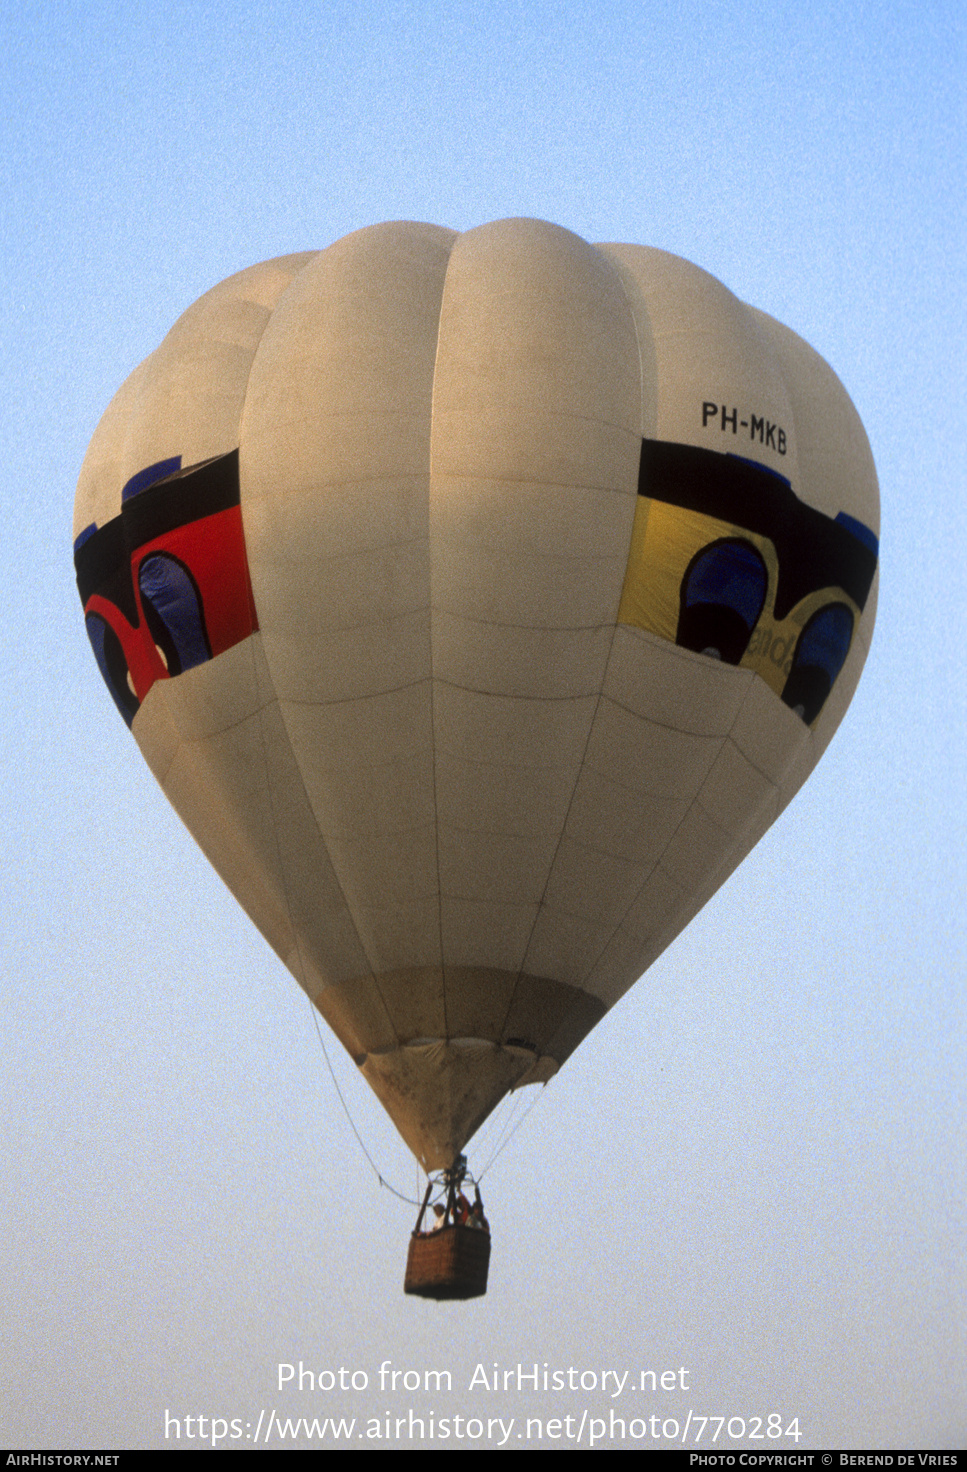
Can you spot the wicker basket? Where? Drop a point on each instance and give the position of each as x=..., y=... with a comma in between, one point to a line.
x=450, y=1263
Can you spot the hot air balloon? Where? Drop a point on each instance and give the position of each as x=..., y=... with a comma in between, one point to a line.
x=478, y=600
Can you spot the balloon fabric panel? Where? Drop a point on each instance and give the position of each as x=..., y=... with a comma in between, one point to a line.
x=700, y=514
x=169, y=576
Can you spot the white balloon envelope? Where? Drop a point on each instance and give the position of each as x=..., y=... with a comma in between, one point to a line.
x=478, y=601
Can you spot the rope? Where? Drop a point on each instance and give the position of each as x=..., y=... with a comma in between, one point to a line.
x=496, y=1125
x=502, y=1147
x=392, y=1189
x=260, y=712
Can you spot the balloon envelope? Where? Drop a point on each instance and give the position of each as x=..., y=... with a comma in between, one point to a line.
x=478, y=601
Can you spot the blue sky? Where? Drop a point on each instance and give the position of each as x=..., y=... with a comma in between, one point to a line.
x=755, y=1167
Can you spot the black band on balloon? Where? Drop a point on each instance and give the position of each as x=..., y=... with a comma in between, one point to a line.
x=185, y=496
x=814, y=551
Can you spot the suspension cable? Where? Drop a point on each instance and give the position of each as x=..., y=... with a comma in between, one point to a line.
x=412, y=1201
x=506, y=1142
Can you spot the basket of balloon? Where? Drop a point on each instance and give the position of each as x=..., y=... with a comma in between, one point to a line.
x=449, y=1263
